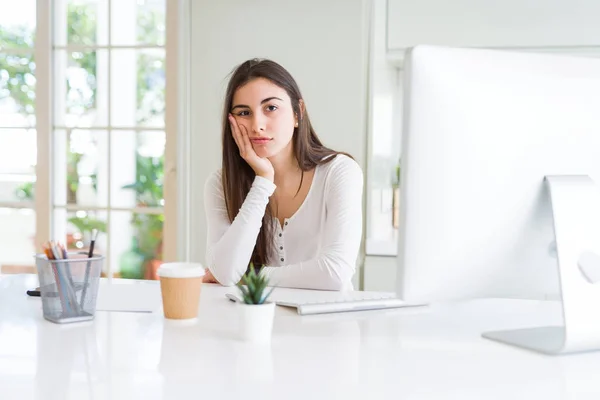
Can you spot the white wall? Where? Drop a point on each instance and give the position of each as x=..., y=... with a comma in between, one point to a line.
x=494, y=23
x=323, y=44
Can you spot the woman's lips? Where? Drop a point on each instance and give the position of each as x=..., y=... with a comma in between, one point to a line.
x=260, y=140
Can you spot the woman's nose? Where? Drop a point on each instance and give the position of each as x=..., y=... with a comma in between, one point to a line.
x=258, y=123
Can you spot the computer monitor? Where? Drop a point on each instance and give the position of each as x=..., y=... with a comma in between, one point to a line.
x=500, y=155
x=481, y=131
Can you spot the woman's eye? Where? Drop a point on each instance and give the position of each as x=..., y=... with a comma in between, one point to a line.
x=272, y=108
x=244, y=113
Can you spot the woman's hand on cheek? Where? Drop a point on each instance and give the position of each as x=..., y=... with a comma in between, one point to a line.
x=260, y=166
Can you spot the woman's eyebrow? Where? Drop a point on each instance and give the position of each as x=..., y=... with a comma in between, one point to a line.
x=239, y=106
x=262, y=102
x=269, y=99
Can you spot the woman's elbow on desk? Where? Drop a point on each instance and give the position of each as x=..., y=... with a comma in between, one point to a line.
x=316, y=275
x=340, y=273
x=340, y=283
x=332, y=283
x=336, y=285
x=227, y=279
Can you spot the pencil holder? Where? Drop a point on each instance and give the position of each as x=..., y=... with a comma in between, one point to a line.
x=69, y=287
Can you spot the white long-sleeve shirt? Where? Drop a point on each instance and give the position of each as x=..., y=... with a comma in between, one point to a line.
x=316, y=248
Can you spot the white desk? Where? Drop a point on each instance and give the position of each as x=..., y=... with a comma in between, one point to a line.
x=399, y=354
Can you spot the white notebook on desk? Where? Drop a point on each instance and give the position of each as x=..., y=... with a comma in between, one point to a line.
x=129, y=296
x=320, y=302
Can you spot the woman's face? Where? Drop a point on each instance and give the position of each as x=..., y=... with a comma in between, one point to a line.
x=265, y=111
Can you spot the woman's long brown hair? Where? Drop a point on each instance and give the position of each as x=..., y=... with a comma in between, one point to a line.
x=237, y=175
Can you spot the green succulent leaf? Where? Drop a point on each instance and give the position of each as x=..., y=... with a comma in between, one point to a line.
x=252, y=286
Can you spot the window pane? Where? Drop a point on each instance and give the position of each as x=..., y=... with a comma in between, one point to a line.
x=138, y=169
x=75, y=229
x=17, y=24
x=81, y=168
x=138, y=22
x=138, y=88
x=136, y=244
x=81, y=95
x=17, y=90
x=17, y=240
x=18, y=154
x=81, y=22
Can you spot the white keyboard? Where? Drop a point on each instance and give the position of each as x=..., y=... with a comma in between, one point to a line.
x=308, y=302
x=324, y=307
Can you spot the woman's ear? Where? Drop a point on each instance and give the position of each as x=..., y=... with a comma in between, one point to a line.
x=301, y=111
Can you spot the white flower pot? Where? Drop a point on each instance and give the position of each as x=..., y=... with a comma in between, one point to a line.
x=256, y=321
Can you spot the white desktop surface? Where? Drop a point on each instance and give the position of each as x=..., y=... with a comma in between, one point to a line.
x=432, y=353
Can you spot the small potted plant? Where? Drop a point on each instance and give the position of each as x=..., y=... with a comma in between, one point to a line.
x=256, y=313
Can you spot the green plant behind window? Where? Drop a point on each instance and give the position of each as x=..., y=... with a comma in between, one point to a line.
x=87, y=224
x=396, y=180
x=147, y=244
x=25, y=191
x=148, y=183
x=148, y=188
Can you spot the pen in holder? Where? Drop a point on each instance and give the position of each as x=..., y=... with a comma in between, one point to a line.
x=89, y=265
x=63, y=283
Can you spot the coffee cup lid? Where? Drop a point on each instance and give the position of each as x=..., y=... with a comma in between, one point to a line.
x=180, y=270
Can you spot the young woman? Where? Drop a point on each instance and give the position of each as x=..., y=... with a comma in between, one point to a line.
x=281, y=200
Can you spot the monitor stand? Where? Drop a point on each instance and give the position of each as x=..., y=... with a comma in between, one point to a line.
x=576, y=211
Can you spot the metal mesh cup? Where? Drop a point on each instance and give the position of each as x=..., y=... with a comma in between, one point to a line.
x=69, y=288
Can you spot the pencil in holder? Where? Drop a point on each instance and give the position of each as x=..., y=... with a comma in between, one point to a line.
x=69, y=287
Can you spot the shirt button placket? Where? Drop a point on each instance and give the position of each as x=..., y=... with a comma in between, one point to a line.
x=282, y=259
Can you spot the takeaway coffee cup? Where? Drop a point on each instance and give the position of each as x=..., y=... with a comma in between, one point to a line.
x=180, y=284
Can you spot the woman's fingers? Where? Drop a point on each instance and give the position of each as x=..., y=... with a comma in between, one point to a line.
x=246, y=141
x=235, y=132
x=261, y=166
